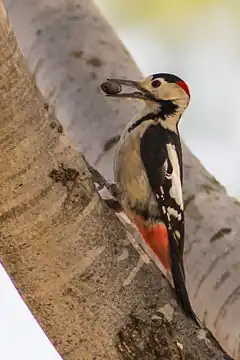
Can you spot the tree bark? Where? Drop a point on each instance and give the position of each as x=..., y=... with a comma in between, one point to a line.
x=71, y=49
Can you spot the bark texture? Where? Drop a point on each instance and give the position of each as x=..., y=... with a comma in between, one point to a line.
x=71, y=49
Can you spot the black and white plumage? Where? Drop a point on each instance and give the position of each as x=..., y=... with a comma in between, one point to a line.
x=161, y=155
x=149, y=172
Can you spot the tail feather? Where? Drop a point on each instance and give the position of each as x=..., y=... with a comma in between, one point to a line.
x=178, y=276
x=164, y=245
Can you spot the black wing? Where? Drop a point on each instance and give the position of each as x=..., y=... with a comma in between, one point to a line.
x=155, y=158
x=159, y=169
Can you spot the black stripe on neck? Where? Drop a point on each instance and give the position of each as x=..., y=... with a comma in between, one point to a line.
x=167, y=108
x=149, y=116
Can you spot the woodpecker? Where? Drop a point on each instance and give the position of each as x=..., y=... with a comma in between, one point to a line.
x=148, y=170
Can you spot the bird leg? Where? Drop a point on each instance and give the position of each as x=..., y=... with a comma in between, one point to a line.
x=98, y=179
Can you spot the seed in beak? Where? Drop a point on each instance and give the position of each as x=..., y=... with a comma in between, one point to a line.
x=111, y=88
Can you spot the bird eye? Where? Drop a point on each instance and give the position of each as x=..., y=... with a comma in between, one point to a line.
x=156, y=83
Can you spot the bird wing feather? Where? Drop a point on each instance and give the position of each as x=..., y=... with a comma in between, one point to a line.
x=157, y=150
x=160, y=151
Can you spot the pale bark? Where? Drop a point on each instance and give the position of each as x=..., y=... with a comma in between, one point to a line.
x=71, y=49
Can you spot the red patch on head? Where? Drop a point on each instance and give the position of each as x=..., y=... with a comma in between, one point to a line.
x=184, y=86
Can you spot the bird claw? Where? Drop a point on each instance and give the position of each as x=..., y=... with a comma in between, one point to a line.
x=101, y=182
x=97, y=178
x=113, y=204
x=99, y=186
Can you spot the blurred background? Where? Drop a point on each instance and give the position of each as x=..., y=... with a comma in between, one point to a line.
x=199, y=41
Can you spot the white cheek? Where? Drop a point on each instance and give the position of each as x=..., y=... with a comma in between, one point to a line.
x=176, y=189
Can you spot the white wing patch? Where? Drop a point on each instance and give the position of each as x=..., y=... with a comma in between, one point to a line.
x=174, y=213
x=176, y=189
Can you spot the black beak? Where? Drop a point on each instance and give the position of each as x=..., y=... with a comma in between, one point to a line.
x=116, y=84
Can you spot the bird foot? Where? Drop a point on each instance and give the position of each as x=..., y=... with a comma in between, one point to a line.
x=114, y=205
x=101, y=182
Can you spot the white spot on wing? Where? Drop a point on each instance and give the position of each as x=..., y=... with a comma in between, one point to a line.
x=172, y=212
x=177, y=233
x=176, y=189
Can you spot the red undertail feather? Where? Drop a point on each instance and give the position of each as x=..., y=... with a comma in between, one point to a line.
x=156, y=237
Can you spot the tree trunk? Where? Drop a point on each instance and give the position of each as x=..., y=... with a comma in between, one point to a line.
x=71, y=49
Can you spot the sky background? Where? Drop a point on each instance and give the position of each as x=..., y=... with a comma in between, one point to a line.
x=199, y=41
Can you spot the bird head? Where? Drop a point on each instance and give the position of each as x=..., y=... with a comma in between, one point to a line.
x=164, y=95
